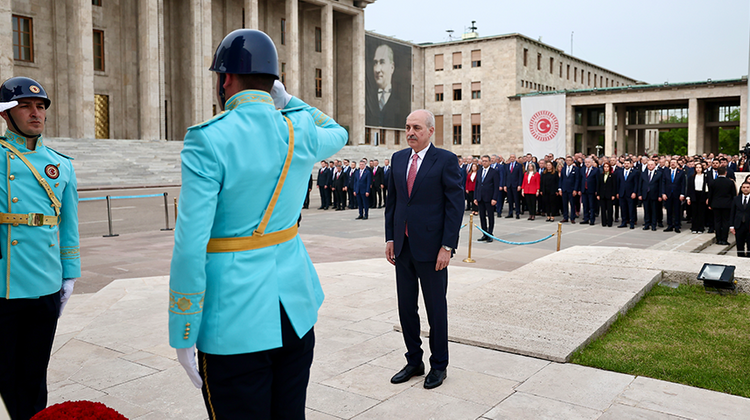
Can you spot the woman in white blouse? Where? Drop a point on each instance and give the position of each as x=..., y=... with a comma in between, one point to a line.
x=697, y=198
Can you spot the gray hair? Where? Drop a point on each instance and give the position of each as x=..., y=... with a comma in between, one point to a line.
x=430, y=120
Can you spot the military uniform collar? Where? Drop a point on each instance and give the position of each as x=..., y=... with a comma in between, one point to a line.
x=248, y=96
x=19, y=141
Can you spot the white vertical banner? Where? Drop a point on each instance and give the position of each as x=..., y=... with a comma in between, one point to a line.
x=543, y=119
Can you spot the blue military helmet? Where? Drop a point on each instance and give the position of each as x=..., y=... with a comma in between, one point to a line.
x=246, y=51
x=17, y=88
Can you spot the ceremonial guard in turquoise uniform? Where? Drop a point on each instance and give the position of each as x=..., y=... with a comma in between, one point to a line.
x=40, y=258
x=242, y=286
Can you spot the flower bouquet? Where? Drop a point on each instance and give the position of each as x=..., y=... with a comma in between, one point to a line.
x=79, y=410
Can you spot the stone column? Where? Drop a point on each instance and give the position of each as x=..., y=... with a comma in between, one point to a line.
x=200, y=60
x=570, y=136
x=622, y=142
x=148, y=69
x=696, y=127
x=357, y=131
x=743, y=119
x=609, y=129
x=326, y=21
x=81, y=69
x=6, y=41
x=251, y=14
x=292, y=41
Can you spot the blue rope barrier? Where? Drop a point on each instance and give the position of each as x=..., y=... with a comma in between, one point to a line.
x=514, y=243
x=120, y=197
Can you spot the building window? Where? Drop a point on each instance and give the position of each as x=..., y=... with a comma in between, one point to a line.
x=567, y=72
x=283, y=73
x=368, y=133
x=98, y=50
x=601, y=80
x=476, y=90
x=283, y=31
x=575, y=74
x=381, y=138
x=318, y=83
x=594, y=79
x=96, y=2
x=397, y=138
x=23, y=40
x=551, y=65
x=438, y=130
x=318, y=40
x=588, y=80
x=606, y=82
x=457, y=60
x=439, y=93
x=539, y=61
x=476, y=129
x=438, y=62
x=476, y=58
x=525, y=57
x=457, y=91
x=560, y=69
x=456, y=129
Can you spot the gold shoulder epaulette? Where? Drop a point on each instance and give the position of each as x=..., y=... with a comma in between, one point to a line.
x=211, y=120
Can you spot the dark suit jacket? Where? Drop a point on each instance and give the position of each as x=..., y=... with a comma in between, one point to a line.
x=341, y=182
x=377, y=176
x=324, y=178
x=362, y=181
x=721, y=192
x=386, y=175
x=434, y=210
x=489, y=189
x=739, y=215
x=625, y=188
x=513, y=179
x=394, y=112
x=569, y=183
x=588, y=185
x=608, y=189
x=674, y=188
x=500, y=168
x=690, y=186
x=650, y=189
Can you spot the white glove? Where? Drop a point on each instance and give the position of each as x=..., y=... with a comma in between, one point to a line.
x=4, y=106
x=65, y=292
x=186, y=357
x=280, y=97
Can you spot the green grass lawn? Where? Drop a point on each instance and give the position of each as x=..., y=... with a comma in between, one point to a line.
x=680, y=335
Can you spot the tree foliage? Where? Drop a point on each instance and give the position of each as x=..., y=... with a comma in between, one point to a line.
x=674, y=141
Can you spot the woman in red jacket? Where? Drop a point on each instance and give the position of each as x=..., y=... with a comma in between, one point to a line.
x=530, y=188
x=471, y=185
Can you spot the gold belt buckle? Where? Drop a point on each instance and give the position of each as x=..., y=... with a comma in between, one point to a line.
x=36, y=219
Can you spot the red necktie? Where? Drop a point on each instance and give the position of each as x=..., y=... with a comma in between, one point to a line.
x=410, y=180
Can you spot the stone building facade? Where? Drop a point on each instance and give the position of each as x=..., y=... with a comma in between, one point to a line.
x=139, y=68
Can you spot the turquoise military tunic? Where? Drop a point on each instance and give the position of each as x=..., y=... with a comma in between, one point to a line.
x=228, y=303
x=36, y=259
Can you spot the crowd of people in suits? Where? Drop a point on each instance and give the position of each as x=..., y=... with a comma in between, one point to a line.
x=345, y=184
x=697, y=189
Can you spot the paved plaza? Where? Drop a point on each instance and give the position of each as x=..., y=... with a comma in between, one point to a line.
x=112, y=344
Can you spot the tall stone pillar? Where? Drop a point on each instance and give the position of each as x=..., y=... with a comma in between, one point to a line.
x=201, y=82
x=609, y=129
x=81, y=69
x=696, y=127
x=6, y=41
x=622, y=142
x=292, y=39
x=326, y=19
x=570, y=136
x=357, y=131
x=149, y=69
x=251, y=14
x=743, y=119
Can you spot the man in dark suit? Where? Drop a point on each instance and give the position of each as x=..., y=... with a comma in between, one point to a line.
x=376, y=199
x=588, y=186
x=386, y=174
x=422, y=219
x=350, y=184
x=512, y=186
x=627, y=192
x=306, y=205
x=721, y=192
x=338, y=185
x=673, y=194
x=569, y=189
x=650, y=193
x=740, y=219
x=499, y=166
x=362, y=184
x=485, y=197
x=324, y=182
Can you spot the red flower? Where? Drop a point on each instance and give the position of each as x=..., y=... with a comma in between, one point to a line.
x=79, y=410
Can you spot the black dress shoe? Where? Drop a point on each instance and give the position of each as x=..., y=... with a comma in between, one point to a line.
x=483, y=238
x=359, y=218
x=632, y=226
x=669, y=229
x=510, y=216
x=592, y=223
x=407, y=373
x=653, y=228
x=564, y=221
x=364, y=218
x=661, y=224
x=622, y=226
x=435, y=378
x=646, y=227
x=518, y=217
x=488, y=239
x=677, y=230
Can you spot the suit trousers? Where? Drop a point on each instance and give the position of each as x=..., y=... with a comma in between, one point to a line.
x=363, y=203
x=28, y=332
x=568, y=203
x=486, y=216
x=699, y=210
x=589, y=209
x=606, y=207
x=627, y=211
x=674, y=215
x=340, y=199
x=721, y=224
x=530, y=200
x=324, y=197
x=500, y=202
x=409, y=275
x=376, y=196
x=514, y=201
x=742, y=234
x=649, y=212
x=270, y=384
x=352, y=198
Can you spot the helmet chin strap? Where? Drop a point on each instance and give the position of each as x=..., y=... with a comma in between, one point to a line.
x=18, y=130
x=222, y=94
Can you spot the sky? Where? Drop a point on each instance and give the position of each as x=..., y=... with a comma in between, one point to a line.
x=654, y=41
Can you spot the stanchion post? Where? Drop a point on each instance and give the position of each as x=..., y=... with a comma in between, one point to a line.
x=109, y=218
x=175, y=211
x=166, y=212
x=471, y=229
x=559, y=234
